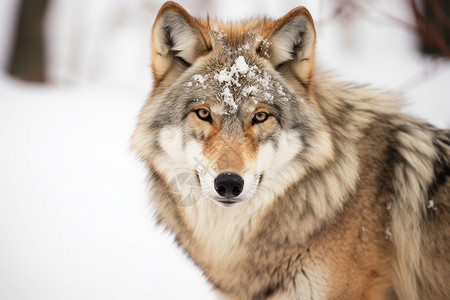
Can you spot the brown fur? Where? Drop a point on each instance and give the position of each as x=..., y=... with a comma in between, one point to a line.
x=355, y=222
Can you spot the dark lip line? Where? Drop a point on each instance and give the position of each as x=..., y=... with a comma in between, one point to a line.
x=228, y=202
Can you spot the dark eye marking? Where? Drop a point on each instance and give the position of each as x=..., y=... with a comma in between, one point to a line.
x=183, y=61
x=204, y=115
x=260, y=117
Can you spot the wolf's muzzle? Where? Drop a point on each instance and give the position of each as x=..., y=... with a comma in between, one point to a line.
x=228, y=185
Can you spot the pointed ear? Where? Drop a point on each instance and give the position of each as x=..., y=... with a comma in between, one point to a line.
x=290, y=44
x=177, y=40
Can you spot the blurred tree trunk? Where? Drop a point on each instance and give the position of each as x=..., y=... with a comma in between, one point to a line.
x=28, y=52
x=433, y=26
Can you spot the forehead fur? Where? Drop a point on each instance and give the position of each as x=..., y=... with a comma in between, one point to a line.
x=235, y=34
x=234, y=73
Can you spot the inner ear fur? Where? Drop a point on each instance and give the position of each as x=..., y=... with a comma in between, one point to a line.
x=289, y=43
x=177, y=37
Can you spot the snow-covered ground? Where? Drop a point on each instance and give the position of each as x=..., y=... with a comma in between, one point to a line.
x=74, y=218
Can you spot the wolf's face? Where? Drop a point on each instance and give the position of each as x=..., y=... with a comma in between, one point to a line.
x=231, y=117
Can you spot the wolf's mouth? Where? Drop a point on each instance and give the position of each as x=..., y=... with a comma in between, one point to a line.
x=227, y=203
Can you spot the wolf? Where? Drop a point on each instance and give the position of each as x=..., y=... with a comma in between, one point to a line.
x=281, y=182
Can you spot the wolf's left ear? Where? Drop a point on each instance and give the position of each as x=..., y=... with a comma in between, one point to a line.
x=289, y=44
x=178, y=40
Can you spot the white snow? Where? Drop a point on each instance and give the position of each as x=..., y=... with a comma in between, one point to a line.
x=388, y=233
x=228, y=98
x=225, y=77
x=74, y=216
x=241, y=65
x=218, y=34
x=199, y=78
x=257, y=83
x=248, y=90
x=74, y=219
x=431, y=205
x=268, y=97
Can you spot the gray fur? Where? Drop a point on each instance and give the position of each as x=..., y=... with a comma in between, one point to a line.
x=352, y=220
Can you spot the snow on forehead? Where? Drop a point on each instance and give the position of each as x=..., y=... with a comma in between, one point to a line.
x=243, y=80
x=241, y=65
x=238, y=78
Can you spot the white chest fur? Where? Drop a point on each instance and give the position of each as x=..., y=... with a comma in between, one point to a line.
x=220, y=232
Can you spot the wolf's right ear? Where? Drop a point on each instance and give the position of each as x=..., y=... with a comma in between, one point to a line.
x=178, y=40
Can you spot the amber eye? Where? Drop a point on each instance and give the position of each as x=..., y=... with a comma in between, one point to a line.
x=204, y=114
x=260, y=117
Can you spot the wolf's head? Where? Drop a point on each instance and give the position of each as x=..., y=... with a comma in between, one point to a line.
x=232, y=117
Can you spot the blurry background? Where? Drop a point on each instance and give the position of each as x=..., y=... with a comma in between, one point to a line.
x=74, y=219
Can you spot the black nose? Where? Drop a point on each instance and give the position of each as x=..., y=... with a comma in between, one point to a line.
x=228, y=185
